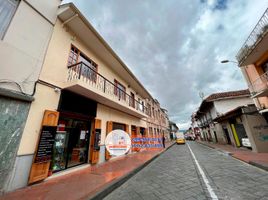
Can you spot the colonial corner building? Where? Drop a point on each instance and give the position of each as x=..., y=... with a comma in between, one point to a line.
x=253, y=62
x=62, y=90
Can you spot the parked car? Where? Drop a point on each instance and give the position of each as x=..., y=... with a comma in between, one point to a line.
x=246, y=142
x=190, y=137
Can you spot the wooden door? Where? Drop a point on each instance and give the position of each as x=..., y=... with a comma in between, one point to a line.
x=39, y=171
x=109, y=128
x=146, y=135
x=133, y=131
x=128, y=132
x=127, y=129
x=95, y=137
x=133, y=136
x=138, y=135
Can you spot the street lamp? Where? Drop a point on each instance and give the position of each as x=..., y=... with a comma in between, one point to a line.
x=250, y=86
x=227, y=61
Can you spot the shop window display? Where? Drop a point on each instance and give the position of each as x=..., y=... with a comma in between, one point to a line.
x=71, y=144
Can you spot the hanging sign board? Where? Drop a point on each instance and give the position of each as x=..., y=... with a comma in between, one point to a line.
x=46, y=143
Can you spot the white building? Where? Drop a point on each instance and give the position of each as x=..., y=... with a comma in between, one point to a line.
x=217, y=105
x=25, y=30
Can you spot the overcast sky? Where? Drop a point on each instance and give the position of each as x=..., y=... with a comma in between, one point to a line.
x=174, y=47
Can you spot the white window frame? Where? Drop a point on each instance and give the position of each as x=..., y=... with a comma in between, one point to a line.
x=6, y=15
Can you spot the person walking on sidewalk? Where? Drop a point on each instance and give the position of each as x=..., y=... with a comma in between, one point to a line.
x=163, y=141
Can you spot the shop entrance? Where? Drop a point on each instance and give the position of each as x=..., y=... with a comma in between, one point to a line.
x=134, y=135
x=226, y=134
x=215, y=135
x=71, y=143
x=241, y=132
x=119, y=126
x=71, y=147
x=133, y=131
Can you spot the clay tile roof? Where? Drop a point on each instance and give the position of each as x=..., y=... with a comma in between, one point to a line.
x=230, y=94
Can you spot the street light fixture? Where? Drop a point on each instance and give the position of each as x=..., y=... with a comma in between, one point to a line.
x=227, y=61
x=246, y=76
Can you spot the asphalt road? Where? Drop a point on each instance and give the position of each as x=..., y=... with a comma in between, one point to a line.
x=194, y=171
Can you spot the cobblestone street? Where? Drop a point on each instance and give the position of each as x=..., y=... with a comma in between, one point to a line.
x=174, y=175
x=134, y=100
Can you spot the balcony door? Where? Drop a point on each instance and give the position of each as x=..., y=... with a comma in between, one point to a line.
x=132, y=100
x=119, y=90
x=87, y=68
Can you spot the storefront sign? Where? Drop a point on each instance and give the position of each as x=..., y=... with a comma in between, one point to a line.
x=117, y=142
x=45, y=146
x=262, y=132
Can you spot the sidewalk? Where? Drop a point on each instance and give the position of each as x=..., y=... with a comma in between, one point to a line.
x=89, y=181
x=257, y=159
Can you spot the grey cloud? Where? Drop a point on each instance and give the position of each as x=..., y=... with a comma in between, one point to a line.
x=174, y=47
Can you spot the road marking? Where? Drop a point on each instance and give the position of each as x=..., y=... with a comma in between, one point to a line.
x=205, y=179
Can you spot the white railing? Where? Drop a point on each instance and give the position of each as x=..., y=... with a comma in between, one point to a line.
x=253, y=39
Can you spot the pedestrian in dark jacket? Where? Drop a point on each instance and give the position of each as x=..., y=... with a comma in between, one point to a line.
x=163, y=140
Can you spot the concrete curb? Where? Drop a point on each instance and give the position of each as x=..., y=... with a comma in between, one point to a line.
x=118, y=182
x=261, y=166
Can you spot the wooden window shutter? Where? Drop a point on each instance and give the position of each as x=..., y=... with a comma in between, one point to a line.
x=109, y=128
x=146, y=135
x=94, y=154
x=39, y=171
x=138, y=135
x=146, y=132
x=138, y=131
x=127, y=128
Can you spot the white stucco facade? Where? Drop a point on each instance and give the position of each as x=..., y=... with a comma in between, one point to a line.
x=25, y=43
x=222, y=106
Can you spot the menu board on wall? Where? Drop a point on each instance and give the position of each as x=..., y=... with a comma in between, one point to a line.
x=46, y=143
x=97, y=139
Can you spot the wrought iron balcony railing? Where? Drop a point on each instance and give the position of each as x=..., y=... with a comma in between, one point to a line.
x=85, y=73
x=260, y=84
x=254, y=38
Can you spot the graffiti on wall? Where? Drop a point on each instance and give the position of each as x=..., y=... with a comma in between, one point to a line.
x=262, y=132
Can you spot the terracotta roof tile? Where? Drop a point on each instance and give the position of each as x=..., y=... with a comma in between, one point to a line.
x=229, y=94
